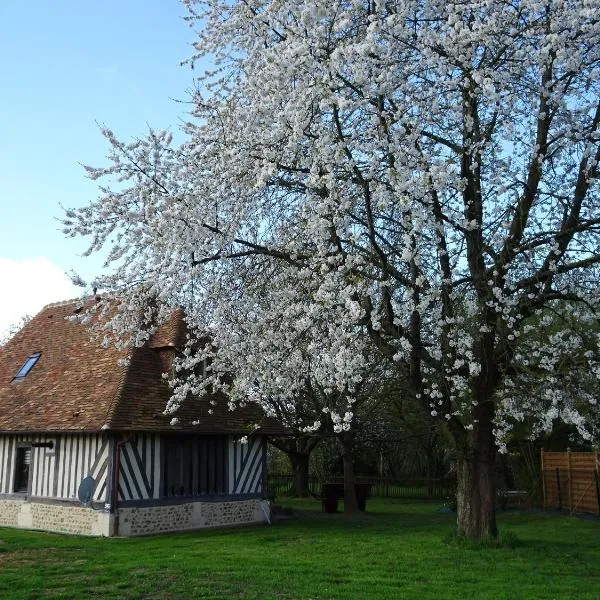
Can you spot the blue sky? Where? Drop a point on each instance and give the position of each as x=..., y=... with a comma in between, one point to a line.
x=64, y=66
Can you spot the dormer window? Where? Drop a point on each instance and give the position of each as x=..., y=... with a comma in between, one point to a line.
x=27, y=365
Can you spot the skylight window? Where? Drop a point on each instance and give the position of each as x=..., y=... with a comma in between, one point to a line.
x=28, y=365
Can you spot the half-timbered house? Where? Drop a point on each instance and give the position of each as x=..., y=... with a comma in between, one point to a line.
x=71, y=411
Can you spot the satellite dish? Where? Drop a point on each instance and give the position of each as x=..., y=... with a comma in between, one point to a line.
x=86, y=489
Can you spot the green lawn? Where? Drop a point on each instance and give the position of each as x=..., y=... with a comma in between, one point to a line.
x=394, y=551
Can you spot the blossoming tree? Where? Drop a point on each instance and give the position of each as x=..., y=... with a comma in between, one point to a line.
x=416, y=174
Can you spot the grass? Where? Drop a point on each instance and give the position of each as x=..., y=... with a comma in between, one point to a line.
x=397, y=550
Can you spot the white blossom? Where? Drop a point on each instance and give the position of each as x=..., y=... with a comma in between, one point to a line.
x=413, y=182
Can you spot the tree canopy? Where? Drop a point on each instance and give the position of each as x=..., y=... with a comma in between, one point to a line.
x=415, y=180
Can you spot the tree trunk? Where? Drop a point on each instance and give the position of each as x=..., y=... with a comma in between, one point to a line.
x=429, y=479
x=300, y=470
x=298, y=451
x=476, y=480
x=350, y=504
x=476, y=499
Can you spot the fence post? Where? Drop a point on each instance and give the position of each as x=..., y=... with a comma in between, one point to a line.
x=597, y=476
x=543, y=480
x=570, y=482
x=559, y=490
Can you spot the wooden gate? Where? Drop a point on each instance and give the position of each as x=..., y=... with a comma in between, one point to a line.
x=571, y=481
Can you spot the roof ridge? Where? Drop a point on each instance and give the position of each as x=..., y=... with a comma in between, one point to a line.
x=85, y=298
x=63, y=303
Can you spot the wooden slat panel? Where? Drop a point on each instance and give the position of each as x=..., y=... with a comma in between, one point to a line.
x=578, y=481
x=552, y=463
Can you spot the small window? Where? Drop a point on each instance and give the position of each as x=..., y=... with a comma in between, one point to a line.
x=28, y=365
x=22, y=469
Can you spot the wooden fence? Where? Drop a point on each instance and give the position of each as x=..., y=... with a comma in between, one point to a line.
x=386, y=487
x=571, y=481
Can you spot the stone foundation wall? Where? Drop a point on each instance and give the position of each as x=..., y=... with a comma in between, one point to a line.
x=70, y=519
x=190, y=515
x=55, y=517
x=9, y=512
x=131, y=521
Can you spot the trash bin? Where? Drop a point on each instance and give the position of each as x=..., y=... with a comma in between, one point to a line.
x=331, y=493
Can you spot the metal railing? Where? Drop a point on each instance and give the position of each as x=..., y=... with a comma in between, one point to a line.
x=385, y=487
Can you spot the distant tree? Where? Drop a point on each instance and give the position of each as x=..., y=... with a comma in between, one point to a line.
x=14, y=328
x=298, y=449
x=555, y=379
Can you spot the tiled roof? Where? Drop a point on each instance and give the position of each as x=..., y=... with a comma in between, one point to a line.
x=171, y=333
x=78, y=386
